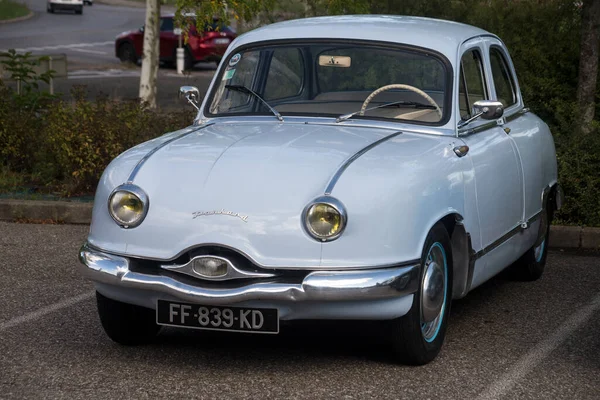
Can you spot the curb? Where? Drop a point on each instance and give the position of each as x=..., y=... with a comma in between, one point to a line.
x=134, y=4
x=43, y=211
x=67, y=212
x=18, y=19
x=122, y=3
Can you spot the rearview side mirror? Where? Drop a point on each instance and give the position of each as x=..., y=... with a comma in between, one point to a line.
x=486, y=109
x=191, y=94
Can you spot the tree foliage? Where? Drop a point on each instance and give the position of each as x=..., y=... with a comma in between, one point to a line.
x=206, y=11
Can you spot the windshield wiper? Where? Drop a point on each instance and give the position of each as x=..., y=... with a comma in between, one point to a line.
x=244, y=89
x=395, y=103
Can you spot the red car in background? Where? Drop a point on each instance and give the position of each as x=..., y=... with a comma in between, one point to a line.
x=208, y=45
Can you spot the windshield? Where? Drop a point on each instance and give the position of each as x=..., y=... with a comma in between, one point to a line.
x=333, y=80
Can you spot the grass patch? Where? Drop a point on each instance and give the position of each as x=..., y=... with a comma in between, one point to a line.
x=10, y=9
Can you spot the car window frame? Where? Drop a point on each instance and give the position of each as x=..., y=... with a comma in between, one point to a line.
x=511, y=75
x=448, y=67
x=462, y=79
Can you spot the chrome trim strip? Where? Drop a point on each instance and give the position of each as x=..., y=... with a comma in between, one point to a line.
x=253, y=261
x=353, y=158
x=480, y=128
x=329, y=121
x=517, y=229
x=232, y=271
x=317, y=286
x=140, y=163
x=516, y=114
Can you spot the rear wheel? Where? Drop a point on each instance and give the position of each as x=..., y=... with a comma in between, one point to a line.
x=127, y=53
x=79, y=10
x=531, y=265
x=50, y=8
x=418, y=336
x=126, y=324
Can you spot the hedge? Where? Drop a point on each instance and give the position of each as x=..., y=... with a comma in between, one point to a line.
x=64, y=147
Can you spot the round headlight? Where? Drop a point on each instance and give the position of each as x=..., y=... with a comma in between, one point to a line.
x=128, y=205
x=325, y=219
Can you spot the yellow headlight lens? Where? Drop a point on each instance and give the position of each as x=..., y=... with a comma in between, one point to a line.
x=323, y=220
x=126, y=208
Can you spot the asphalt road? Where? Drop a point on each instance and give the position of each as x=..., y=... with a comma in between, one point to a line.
x=87, y=39
x=88, y=42
x=505, y=340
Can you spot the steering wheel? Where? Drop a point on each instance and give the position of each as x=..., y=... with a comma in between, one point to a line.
x=400, y=86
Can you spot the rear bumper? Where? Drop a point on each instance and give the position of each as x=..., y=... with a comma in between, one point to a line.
x=357, y=294
x=67, y=6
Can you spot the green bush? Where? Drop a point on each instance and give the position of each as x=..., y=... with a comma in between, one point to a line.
x=65, y=147
x=579, y=175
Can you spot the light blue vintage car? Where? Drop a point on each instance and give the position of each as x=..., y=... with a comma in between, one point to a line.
x=355, y=167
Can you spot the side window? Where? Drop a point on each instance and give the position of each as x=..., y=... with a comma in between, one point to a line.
x=166, y=24
x=503, y=80
x=285, y=75
x=472, y=84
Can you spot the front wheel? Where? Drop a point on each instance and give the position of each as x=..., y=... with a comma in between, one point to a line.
x=79, y=10
x=50, y=9
x=418, y=336
x=126, y=324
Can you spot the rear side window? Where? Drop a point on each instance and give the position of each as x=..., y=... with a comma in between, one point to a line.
x=166, y=24
x=503, y=80
x=285, y=74
x=472, y=85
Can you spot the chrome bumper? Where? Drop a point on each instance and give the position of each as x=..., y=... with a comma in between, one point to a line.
x=374, y=285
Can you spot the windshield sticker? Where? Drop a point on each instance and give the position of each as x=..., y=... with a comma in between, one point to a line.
x=228, y=74
x=235, y=59
x=335, y=61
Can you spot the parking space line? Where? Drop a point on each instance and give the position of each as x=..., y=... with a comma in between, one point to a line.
x=63, y=46
x=89, y=51
x=46, y=310
x=542, y=350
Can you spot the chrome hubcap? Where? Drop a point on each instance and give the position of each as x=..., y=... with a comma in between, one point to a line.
x=433, y=292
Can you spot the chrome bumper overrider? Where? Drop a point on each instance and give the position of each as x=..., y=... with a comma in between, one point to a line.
x=377, y=285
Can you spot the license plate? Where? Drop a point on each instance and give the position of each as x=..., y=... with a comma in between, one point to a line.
x=197, y=316
x=221, y=41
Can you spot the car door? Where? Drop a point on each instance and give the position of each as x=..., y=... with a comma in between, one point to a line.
x=496, y=165
x=522, y=127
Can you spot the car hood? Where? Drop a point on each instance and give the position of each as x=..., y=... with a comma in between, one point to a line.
x=238, y=185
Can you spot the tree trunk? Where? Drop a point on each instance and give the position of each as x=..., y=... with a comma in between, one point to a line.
x=150, y=57
x=588, y=63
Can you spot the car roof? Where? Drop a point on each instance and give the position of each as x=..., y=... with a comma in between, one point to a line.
x=440, y=35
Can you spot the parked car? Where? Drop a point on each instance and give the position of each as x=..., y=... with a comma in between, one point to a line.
x=74, y=5
x=209, y=44
x=332, y=172
x=88, y=2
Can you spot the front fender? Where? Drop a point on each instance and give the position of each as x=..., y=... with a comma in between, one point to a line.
x=394, y=194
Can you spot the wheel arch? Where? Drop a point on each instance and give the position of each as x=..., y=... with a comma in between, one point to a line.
x=462, y=254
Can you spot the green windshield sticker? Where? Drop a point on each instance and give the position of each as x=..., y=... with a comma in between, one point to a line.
x=228, y=74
